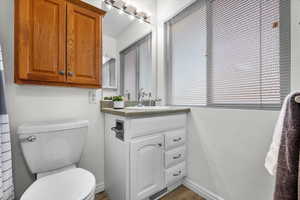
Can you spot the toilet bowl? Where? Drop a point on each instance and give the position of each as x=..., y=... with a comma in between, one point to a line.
x=51, y=151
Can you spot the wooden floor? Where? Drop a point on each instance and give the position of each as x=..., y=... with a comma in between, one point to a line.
x=181, y=193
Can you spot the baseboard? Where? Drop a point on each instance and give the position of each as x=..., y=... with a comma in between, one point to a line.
x=201, y=191
x=99, y=187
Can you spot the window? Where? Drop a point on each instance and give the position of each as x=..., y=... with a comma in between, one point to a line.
x=136, y=67
x=229, y=53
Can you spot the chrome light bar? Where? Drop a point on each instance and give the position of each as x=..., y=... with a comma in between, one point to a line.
x=127, y=9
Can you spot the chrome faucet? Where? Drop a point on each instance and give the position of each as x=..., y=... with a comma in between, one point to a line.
x=141, y=95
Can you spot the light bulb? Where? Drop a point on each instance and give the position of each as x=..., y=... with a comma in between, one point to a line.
x=109, y=7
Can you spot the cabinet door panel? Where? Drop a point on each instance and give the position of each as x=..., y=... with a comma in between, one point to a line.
x=43, y=30
x=146, y=167
x=83, y=46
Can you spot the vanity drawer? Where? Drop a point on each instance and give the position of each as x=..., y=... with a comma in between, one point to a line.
x=146, y=126
x=174, y=138
x=174, y=157
x=175, y=173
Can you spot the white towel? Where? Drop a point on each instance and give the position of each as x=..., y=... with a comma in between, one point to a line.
x=272, y=156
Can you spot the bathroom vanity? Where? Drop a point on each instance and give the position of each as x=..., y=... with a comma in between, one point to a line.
x=145, y=152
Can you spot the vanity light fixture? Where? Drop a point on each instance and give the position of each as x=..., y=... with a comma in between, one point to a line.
x=130, y=10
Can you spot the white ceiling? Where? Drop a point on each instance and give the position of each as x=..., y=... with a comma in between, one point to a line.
x=114, y=23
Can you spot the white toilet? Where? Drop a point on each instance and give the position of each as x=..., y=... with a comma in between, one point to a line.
x=52, y=150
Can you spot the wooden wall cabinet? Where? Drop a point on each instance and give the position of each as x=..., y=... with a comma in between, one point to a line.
x=58, y=42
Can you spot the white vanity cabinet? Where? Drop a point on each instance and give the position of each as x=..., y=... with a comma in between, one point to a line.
x=144, y=156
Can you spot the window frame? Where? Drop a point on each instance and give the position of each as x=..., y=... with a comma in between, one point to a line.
x=285, y=47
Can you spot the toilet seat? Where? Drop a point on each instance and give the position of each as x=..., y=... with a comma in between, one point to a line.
x=72, y=184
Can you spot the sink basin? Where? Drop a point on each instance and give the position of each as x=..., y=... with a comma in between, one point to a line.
x=148, y=108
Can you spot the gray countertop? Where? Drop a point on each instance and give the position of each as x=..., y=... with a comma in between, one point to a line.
x=141, y=113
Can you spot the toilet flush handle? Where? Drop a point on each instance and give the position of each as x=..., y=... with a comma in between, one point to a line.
x=25, y=139
x=31, y=138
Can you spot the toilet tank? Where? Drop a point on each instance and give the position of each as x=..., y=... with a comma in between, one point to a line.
x=49, y=146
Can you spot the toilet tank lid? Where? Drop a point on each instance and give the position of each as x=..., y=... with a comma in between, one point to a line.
x=50, y=126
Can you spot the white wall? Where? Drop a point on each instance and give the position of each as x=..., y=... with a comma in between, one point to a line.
x=109, y=46
x=227, y=147
x=37, y=103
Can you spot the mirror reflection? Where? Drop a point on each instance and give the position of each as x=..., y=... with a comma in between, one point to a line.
x=127, y=64
x=109, y=73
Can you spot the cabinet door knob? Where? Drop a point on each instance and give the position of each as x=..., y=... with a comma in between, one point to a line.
x=160, y=144
x=61, y=72
x=70, y=73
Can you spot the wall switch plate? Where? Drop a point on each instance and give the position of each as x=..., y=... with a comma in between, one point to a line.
x=95, y=96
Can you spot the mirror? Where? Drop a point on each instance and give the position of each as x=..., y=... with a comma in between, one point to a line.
x=128, y=64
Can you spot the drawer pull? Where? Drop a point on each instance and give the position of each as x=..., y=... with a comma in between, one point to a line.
x=160, y=144
x=177, y=157
x=177, y=140
x=178, y=174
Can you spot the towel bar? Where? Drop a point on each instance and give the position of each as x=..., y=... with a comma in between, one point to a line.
x=297, y=99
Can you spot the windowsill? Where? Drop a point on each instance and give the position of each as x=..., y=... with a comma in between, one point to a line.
x=229, y=107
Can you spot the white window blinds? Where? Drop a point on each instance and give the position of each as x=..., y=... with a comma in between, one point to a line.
x=145, y=65
x=248, y=54
x=187, y=37
x=245, y=54
x=129, y=72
